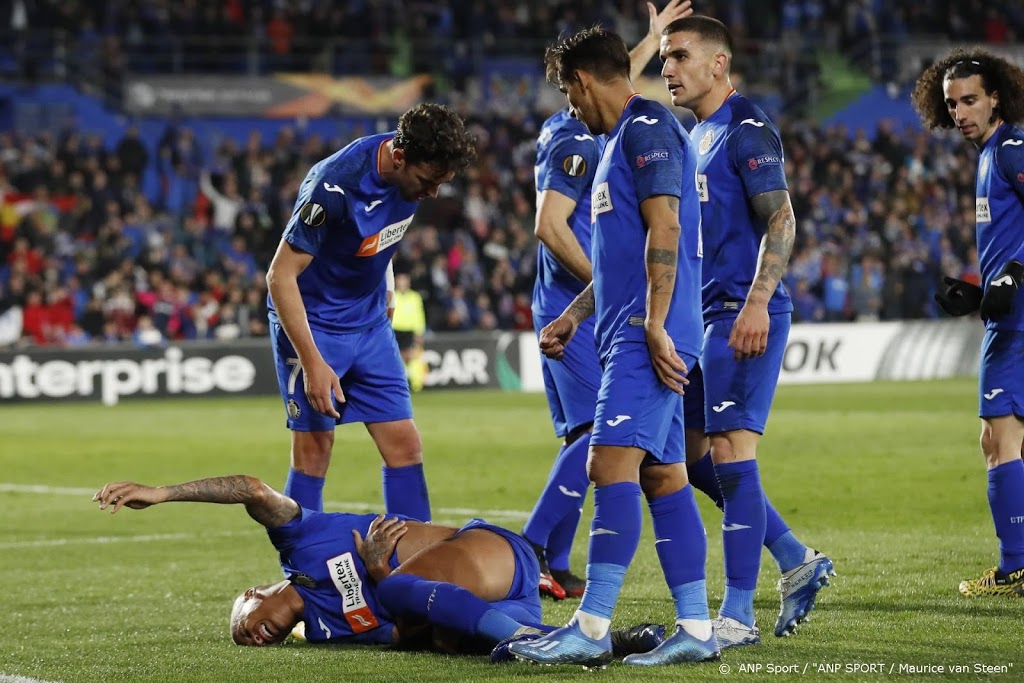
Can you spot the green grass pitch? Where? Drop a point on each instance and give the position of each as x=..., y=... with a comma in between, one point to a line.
x=886, y=478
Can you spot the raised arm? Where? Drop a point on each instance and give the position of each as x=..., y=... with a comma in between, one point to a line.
x=648, y=47
x=264, y=504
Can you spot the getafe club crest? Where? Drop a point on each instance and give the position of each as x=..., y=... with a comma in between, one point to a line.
x=293, y=409
x=706, y=142
x=983, y=169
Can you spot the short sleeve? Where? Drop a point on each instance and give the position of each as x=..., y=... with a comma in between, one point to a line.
x=285, y=537
x=572, y=160
x=1010, y=159
x=319, y=206
x=755, y=150
x=654, y=149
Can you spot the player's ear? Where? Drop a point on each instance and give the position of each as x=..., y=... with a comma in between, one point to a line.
x=582, y=78
x=721, y=66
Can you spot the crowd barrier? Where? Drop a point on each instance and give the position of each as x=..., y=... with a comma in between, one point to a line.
x=825, y=353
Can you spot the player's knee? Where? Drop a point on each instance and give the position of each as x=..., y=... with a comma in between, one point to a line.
x=404, y=453
x=609, y=465
x=734, y=446
x=311, y=452
x=662, y=480
x=697, y=445
x=987, y=442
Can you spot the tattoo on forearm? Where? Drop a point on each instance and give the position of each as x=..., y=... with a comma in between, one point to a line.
x=271, y=510
x=216, y=490
x=778, y=240
x=582, y=306
x=665, y=257
x=664, y=283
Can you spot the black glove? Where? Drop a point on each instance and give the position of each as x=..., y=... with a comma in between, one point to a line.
x=959, y=297
x=1002, y=291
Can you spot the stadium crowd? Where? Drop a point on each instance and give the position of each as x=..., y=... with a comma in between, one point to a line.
x=90, y=257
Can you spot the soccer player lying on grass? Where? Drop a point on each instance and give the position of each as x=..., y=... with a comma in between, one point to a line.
x=369, y=579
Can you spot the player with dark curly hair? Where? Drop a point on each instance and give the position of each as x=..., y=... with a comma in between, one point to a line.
x=336, y=355
x=983, y=96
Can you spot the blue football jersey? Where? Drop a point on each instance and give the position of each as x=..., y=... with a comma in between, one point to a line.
x=319, y=556
x=999, y=206
x=740, y=156
x=351, y=221
x=647, y=154
x=567, y=156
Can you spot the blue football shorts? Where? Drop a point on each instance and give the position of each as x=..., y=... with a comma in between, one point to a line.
x=635, y=409
x=571, y=384
x=523, y=600
x=369, y=366
x=1001, y=375
x=738, y=394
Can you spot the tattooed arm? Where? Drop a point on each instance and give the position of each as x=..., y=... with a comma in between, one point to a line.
x=661, y=218
x=775, y=209
x=749, y=335
x=264, y=504
x=557, y=334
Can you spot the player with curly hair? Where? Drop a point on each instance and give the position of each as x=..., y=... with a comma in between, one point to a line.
x=982, y=95
x=336, y=355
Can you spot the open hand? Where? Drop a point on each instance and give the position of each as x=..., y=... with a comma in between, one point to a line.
x=376, y=549
x=676, y=9
x=320, y=382
x=669, y=367
x=128, y=493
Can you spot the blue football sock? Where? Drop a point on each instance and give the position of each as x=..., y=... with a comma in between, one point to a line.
x=560, y=541
x=743, y=527
x=444, y=604
x=561, y=499
x=306, y=490
x=691, y=600
x=1006, y=499
x=405, y=492
x=702, y=475
x=614, y=536
x=682, y=548
x=788, y=551
x=784, y=547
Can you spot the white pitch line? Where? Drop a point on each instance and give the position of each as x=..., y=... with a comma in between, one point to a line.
x=102, y=540
x=8, y=678
x=43, y=489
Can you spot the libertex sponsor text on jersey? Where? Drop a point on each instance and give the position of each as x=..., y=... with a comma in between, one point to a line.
x=388, y=235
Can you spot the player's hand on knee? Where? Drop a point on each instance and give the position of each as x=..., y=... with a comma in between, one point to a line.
x=669, y=367
x=322, y=385
x=749, y=335
x=959, y=297
x=376, y=549
x=128, y=493
x=1002, y=291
